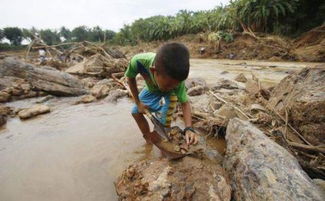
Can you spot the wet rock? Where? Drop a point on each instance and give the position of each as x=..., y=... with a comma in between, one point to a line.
x=45, y=79
x=89, y=82
x=99, y=65
x=100, y=91
x=196, y=91
x=33, y=111
x=224, y=72
x=116, y=94
x=260, y=169
x=252, y=87
x=86, y=99
x=103, y=87
x=4, y=97
x=226, y=112
x=200, y=103
x=5, y=110
x=3, y=120
x=302, y=95
x=185, y=179
x=224, y=84
x=192, y=82
x=241, y=78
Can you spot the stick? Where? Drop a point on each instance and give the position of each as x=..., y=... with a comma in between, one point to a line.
x=308, y=147
x=293, y=128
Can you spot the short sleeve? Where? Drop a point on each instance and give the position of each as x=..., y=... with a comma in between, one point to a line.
x=132, y=70
x=181, y=93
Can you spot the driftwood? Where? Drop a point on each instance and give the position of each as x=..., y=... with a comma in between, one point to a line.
x=263, y=170
x=44, y=79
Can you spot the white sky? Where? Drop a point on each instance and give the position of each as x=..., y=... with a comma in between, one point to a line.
x=108, y=14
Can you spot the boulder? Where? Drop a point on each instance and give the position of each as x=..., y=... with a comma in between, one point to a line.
x=185, y=179
x=260, y=169
x=99, y=65
x=302, y=95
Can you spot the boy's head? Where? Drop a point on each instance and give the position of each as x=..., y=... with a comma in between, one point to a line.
x=172, y=65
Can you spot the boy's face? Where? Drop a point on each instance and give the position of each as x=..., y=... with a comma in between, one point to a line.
x=164, y=82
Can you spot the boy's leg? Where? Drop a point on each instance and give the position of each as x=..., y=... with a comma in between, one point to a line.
x=152, y=101
x=143, y=125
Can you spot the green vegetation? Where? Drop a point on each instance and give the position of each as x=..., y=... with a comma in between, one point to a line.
x=51, y=37
x=285, y=17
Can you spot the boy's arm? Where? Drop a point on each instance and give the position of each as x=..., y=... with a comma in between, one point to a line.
x=191, y=137
x=186, y=107
x=135, y=93
x=134, y=89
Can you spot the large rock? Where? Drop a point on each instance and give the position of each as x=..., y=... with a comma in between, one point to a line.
x=116, y=94
x=303, y=96
x=260, y=169
x=185, y=179
x=33, y=111
x=44, y=79
x=99, y=65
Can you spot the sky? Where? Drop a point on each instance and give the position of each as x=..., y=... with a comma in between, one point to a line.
x=108, y=14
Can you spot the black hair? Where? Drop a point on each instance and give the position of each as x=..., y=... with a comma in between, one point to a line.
x=173, y=59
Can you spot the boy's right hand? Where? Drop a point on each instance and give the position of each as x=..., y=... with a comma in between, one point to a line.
x=142, y=107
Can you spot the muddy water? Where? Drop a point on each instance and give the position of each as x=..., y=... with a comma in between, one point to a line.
x=269, y=73
x=77, y=151
x=72, y=153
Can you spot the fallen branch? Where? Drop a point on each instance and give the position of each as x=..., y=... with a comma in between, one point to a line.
x=292, y=128
x=308, y=147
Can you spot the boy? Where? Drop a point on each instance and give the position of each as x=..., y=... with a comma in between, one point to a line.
x=164, y=74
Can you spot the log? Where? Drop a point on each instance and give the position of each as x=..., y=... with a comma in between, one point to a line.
x=44, y=79
x=260, y=169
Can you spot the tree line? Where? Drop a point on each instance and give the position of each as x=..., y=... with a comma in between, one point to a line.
x=16, y=35
x=283, y=17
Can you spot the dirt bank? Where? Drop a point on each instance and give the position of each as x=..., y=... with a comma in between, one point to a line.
x=309, y=47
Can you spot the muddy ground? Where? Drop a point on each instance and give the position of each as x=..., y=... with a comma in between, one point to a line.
x=72, y=142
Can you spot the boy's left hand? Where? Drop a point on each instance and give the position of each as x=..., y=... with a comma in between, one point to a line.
x=191, y=137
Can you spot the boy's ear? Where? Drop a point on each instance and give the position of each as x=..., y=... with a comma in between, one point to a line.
x=153, y=69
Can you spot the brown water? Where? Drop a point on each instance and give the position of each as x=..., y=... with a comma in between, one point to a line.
x=72, y=153
x=77, y=151
x=269, y=73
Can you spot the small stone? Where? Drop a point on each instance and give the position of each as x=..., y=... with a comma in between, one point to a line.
x=33, y=111
x=241, y=78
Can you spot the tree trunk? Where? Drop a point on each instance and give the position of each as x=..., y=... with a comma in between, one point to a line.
x=43, y=78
